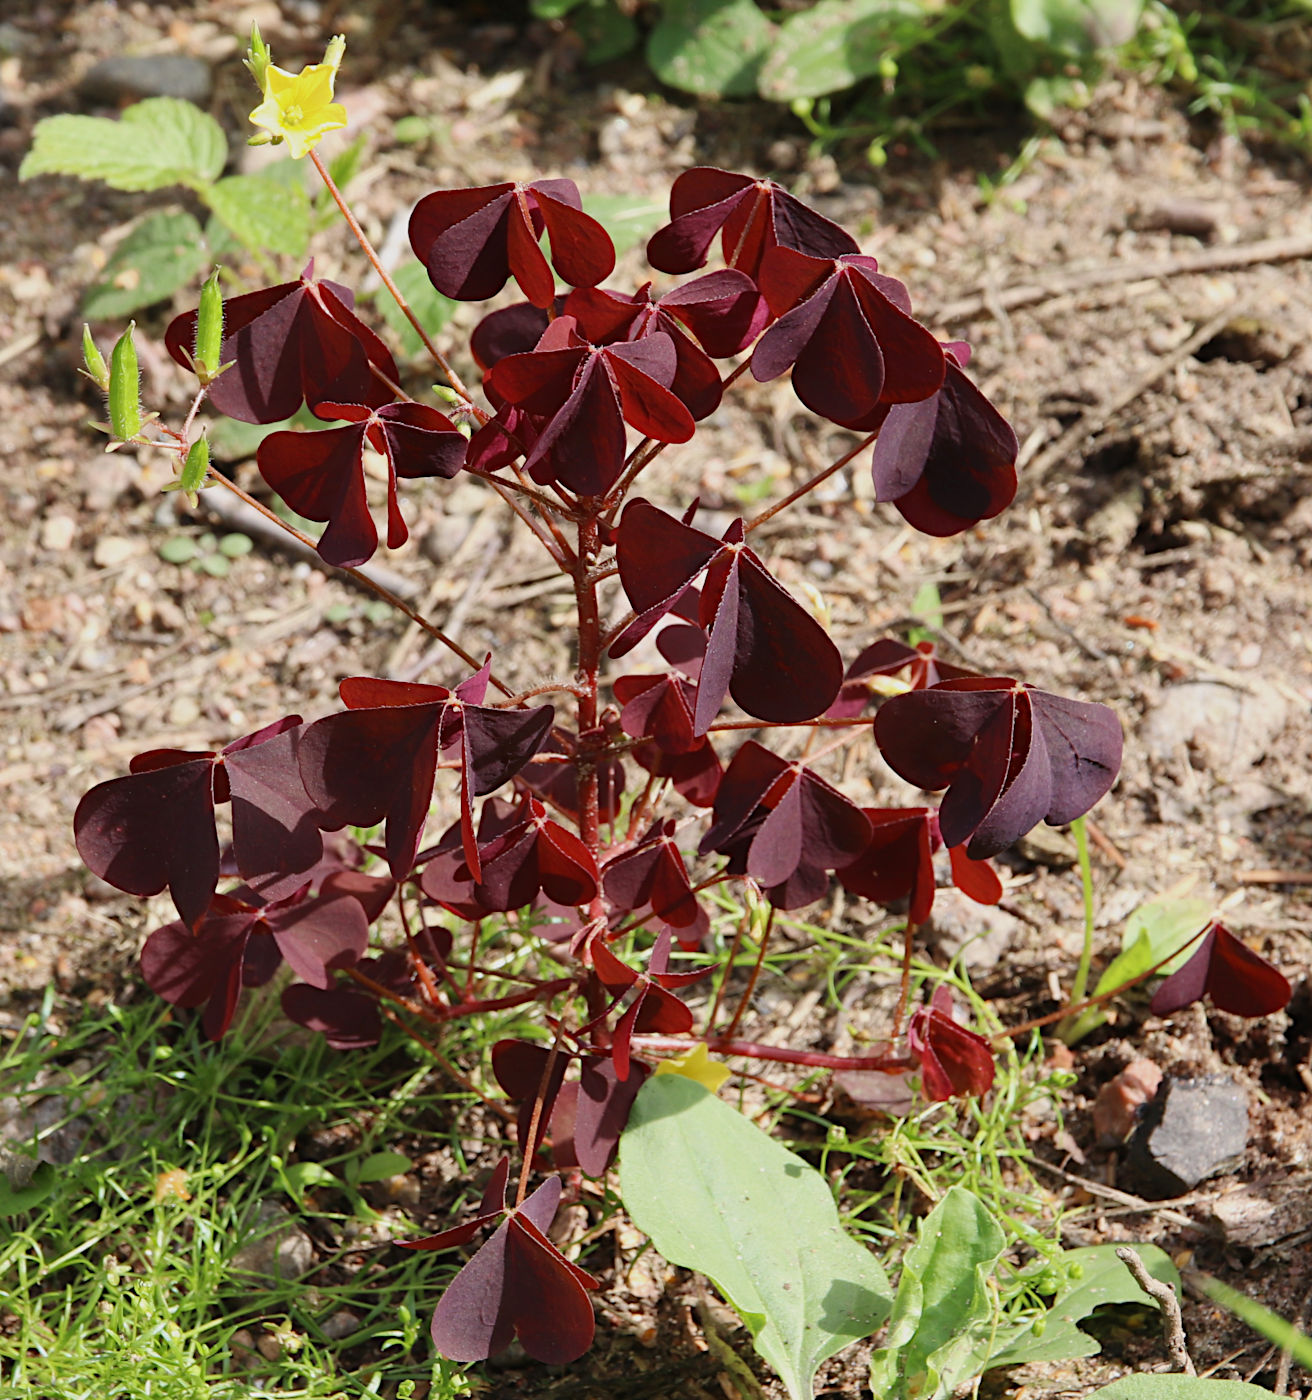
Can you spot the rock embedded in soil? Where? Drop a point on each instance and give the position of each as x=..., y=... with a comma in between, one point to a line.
x=1223, y=729
x=1121, y=1101
x=277, y=1248
x=1192, y=1130
x=132, y=76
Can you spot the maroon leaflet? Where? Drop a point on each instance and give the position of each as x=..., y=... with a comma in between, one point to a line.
x=887, y=657
x=752, y=216
x=377, y=760
x=654, y=1007
x=588, y=393
x=517, y=1285
x=155, y=827
x=536, y=854
x=521, y=1069
x=591, y=1113
x=847, y=332
x=953, y=1060
x=651, y=876
x=321, y=474
x=1237, y=979
x=807, y=828
x=1010, y=756
x=949, y=461
x=899, y=863
x=231, y=947
x=472, y=240
x=347, y=1020
x=294, y=343
x=764, y=648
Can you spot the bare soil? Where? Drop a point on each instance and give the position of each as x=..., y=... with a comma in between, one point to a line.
x=1139, y=299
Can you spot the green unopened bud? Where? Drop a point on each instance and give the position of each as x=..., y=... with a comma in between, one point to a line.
x=258, y=57
x=335, y=51
x=209, y=328
x=96, y=369
x=448, y=395
x=196, y=467
x=125, y=388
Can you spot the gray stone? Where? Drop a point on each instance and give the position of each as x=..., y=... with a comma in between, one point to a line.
x=1222, y=728
x=1191, y=1130
x=275, y=1247
x=979, y=932
x=137, y=75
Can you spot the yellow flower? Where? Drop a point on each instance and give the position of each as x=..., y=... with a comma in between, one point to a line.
x=298, y=107
x=696, y=1064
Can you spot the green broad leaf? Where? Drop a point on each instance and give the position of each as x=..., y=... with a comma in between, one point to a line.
x=161, y=141
x=178, y=549
x=164, y=252
x=1077, y=27
x=552, y=9
x=216, y=565
x=235, y=546
x=1094, y=1276
x=607, y=32
x=710, y=47
x=433, y=309
x=1159, y=1386
x=832, y=46
x=378, y=1166
x=628, y=220
x=345, y=165
x=944, y=1313
x=263, y=215
x=301, y=1176
x=1152, y=932
x=40, y=1184
x=718, y=1195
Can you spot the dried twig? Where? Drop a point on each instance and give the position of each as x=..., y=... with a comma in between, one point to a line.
x=1164, y=1295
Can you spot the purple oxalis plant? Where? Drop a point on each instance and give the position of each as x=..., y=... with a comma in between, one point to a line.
x=576, y=816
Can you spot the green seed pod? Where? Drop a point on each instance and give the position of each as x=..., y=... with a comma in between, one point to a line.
x=125, y=388
x=209, y=327
x=197, y=466
x=96, y=369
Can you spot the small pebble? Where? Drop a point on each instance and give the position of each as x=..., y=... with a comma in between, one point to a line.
x=57, y=532
x=112, y=550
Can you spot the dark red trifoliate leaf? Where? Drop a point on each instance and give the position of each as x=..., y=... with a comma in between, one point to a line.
x=887, y=657
x=1010, y=756
x=847, y=333
x=155, y=828
x=659, y=708
x=518, y=1285
x=321, y=474
x=591, y=1113
x=751, y=216
x=953, y=1061
x=491, y=1207
x=521, y=1068
x=298, y=342
x=949, y=461
x=1237, y=979
x=513, y=330
x=809, y=826
x=506, y=437
x=589, y=393
x=694, y=775
x=471, y=241
x=371, y=892
x=651, y=875
x=446, y=876
x=899, y=863
x=377, y=760
x=654, y=1007
x=763, y=647
x=536, y=854
x=347, y=1020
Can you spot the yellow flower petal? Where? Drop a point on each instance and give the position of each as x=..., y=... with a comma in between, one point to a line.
x=696, y=1064
x=298, y=107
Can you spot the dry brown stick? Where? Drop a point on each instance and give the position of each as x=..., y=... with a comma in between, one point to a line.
x=1273, y=877
x=1097, y=418
x=1163, y=1294
x=1054, y=284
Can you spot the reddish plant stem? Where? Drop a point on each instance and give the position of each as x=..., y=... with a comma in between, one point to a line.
x=734, y=945
x=423, y=973
x=545, y=992
x=745, y=999
x=589, y=667
x=854, y=722
x=373, y=585
x=904, y=996
x=816, y=480
x=363, y=240
x=813, y=1059
x=535, y=1120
